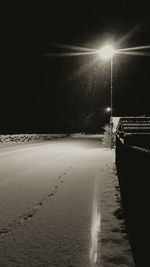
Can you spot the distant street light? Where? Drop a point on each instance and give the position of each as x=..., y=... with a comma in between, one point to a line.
x=107, y=53
x=108, y=109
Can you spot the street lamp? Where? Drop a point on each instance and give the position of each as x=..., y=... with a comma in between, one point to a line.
x=107, y=53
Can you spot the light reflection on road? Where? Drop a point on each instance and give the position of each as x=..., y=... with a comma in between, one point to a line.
x=95, y=227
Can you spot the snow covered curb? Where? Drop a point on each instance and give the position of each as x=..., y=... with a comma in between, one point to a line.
x=19, y=138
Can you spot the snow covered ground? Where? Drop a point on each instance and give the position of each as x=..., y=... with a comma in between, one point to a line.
x=60, y=205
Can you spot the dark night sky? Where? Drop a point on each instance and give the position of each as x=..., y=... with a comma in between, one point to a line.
x=48, y=94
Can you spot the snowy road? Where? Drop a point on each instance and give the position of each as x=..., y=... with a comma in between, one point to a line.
x=59, y=205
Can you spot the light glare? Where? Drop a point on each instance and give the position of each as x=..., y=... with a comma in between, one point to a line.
x=108, y=109
x=106, y=52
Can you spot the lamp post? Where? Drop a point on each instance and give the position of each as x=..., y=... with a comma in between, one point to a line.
x=107, y=53
x=111, y=83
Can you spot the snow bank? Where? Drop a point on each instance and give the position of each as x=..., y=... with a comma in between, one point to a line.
x=18, y=138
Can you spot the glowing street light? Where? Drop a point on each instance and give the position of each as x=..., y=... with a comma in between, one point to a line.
x=106, y=52
x=108, y=109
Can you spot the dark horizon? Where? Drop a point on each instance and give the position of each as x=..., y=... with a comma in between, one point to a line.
x=46, y=94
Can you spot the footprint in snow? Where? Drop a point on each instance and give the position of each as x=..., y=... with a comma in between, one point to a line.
x=51, y=194
x=40, y=203
x=5, y=230
x=119, y=214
